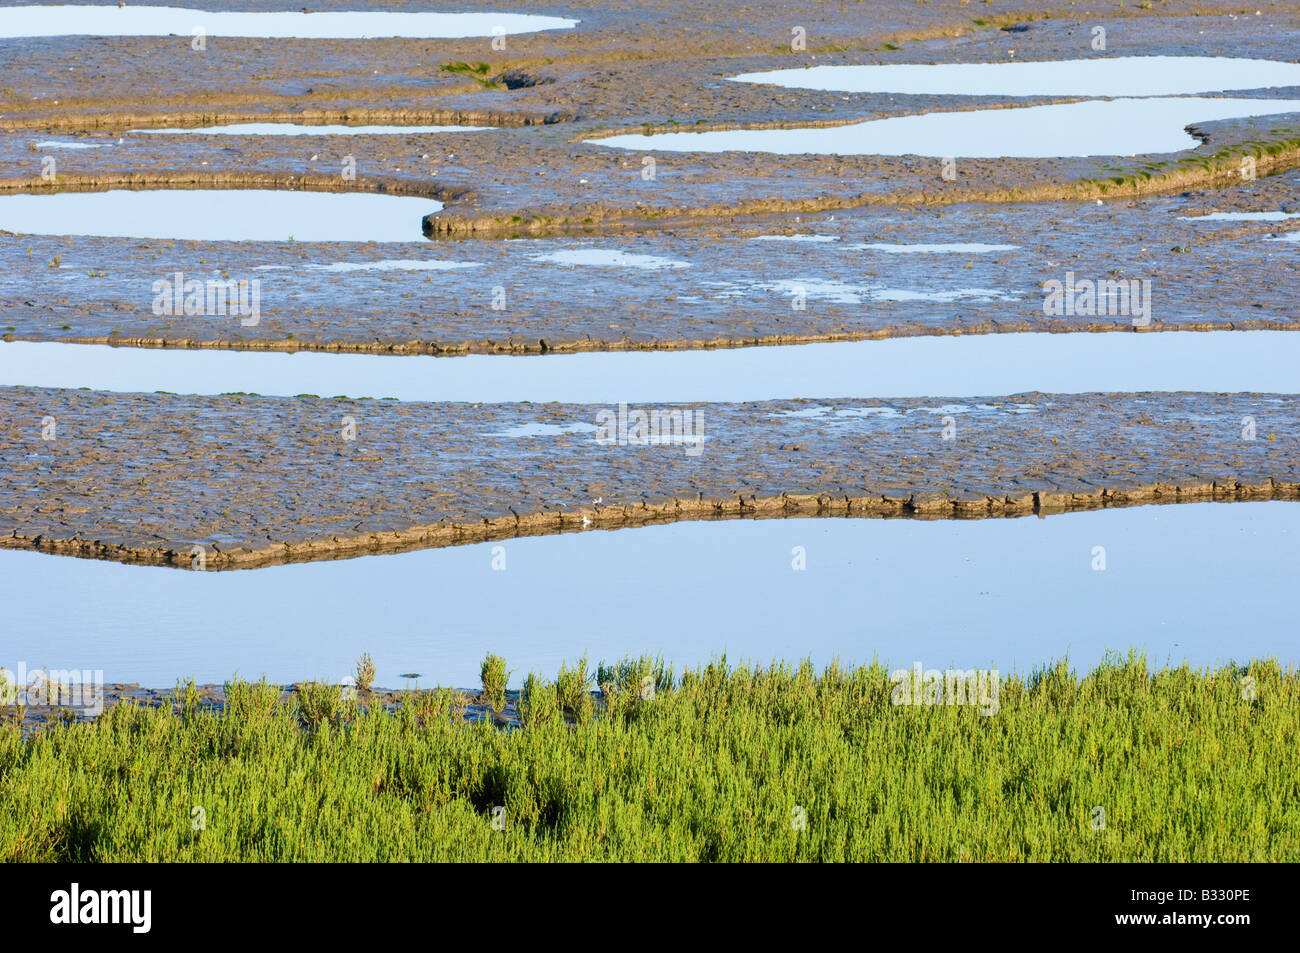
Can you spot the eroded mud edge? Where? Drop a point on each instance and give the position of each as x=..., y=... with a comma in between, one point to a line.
x=575, y=346
x=119, y=121
x=1193, y=172
x=1218, y=171
x=928, y=506
x=199, y=181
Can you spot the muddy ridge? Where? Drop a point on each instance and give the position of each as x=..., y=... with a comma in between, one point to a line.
x=723, y=285
x=242, y=482
x=655, y=66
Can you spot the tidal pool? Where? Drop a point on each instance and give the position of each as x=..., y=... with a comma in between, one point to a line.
x=992, y=364
x=115, y=20
x=610, y=258
x=839, y=292
x=400, y=264
x=949, y=248
x=795, y=238
x=220, y=215
x=1116, y=127
x=55, y=144
x=1240, y=217
x=1012, y=594
x=1099, y=76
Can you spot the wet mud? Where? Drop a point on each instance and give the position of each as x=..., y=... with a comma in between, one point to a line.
x=713, y=286
x=239, y=482
x=651, y=67
x=251, y=481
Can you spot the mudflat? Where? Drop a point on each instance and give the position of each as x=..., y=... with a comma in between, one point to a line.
x=237, y=481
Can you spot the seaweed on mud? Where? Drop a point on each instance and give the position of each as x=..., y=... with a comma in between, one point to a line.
x=475, y=71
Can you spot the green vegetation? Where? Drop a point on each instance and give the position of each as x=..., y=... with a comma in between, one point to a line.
x=721, y=763
x=475, y=71
x=573, y=693
x=365, y=674
x=1226, y=163
x=494, y=676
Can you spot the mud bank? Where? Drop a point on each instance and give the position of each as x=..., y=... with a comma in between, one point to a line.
x=545, y=180
x=239, y=482
x=606, y=43
x=652, y=68
x=737, y=287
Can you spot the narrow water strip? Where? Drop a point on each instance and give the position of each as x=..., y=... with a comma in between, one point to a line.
x=1103, y=76
x=220, y=215
x=1120, y=362
x=1112, y=127
x=123, y=20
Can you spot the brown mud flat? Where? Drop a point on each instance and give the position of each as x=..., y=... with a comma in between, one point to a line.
x=654, y=67
x=167, y=74
x=723, y=286
x=254, y=481
x=546, y=180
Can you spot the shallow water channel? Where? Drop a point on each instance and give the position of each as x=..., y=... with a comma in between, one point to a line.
x=220, y=215
x=988, y=364
x=1012, y=594
x=1100, y=76
x=120, y=20
x=1112, y=127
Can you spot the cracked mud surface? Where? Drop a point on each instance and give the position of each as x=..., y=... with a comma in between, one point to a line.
x=259, y=481
x=660, y=65
x=708, y=286
x=651, y=65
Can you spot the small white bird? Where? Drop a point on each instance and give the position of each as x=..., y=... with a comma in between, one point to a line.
x=598, y=500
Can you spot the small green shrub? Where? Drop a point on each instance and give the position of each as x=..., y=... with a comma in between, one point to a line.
x=494, y=676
